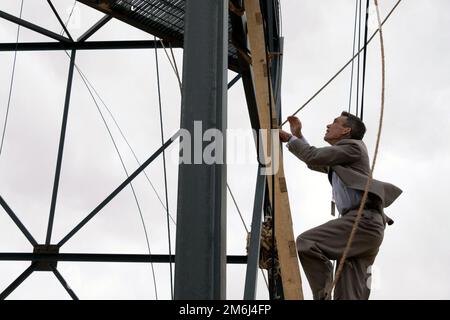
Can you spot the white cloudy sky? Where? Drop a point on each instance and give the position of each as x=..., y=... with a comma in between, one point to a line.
x=414, y=257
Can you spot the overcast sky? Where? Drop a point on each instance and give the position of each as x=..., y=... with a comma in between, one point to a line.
x=414, y=258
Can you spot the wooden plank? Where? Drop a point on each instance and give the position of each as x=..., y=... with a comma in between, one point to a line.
x=284, y=235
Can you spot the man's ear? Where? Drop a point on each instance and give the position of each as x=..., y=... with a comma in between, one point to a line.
x=347, y=131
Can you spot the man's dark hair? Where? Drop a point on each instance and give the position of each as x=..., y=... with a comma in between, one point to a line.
x=354, y=123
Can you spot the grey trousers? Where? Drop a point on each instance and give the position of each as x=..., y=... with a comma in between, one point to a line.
x=317, y=246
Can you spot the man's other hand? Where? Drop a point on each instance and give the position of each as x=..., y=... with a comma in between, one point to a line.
x=296, y=126
x=284, y=136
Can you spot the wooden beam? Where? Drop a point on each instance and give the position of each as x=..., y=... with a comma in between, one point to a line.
x=284, y=235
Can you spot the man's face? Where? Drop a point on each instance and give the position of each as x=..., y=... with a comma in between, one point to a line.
x=336, y=130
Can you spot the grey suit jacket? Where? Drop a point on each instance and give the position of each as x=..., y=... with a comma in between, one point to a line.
x=350, y=160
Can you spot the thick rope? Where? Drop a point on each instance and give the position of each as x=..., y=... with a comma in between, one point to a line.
x=369, y=180
x=346, y=65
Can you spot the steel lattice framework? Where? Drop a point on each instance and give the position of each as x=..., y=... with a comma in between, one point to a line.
x=166, y=20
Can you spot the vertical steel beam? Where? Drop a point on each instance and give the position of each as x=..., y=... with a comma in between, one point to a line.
x=60, y=149
x=200, y=260
x=255, y=235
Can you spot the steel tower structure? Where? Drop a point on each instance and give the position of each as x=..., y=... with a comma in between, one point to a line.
x=214, y=36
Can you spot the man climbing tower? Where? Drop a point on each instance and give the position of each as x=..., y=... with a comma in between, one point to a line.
x=346, y=162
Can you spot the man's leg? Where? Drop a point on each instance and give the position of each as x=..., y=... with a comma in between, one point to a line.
x=353, y=282
x=316, y=247
x=317, y=266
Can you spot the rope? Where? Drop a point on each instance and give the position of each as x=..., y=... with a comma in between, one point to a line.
x=125, y=139
x=237, y=208
x=59, y=19
x=353, y=61
x=175, y=64
x=365, y=61
x=369, y=180
x=246, y=229
x=346, y=65
x=70, y=16
x=114, y=119
x=11, y=83
x=164, y=167
x=172, y=64
x=126, y=173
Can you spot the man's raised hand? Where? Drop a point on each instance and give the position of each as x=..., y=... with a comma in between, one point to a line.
x=296, y=126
